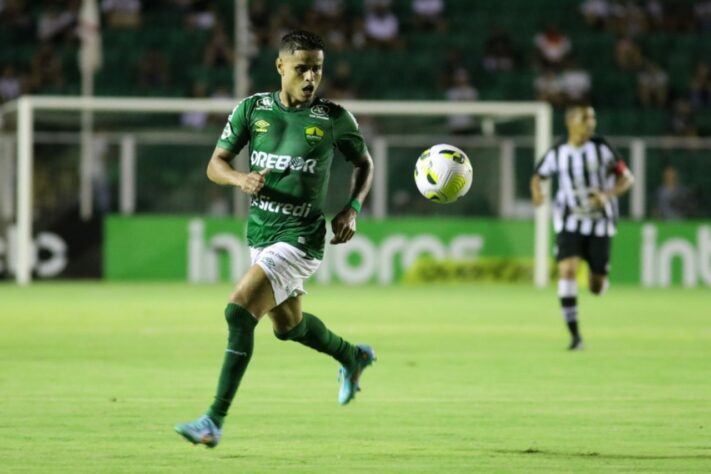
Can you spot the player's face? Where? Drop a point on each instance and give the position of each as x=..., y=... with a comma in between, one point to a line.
x=583, y=122
x=300, y=74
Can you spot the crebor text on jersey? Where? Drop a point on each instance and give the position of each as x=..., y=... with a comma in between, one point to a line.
x=282, y=162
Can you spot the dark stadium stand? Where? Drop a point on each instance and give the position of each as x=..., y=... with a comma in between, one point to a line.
x=411, y=73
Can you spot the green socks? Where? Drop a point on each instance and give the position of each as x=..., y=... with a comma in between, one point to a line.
x=240, y=345
x=313, y=333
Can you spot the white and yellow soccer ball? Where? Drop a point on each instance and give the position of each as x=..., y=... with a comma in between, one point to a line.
x=443, y=173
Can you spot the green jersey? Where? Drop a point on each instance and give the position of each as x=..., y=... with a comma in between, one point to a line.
x=297, y=145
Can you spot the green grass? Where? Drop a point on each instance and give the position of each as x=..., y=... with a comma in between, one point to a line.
x=469, y=379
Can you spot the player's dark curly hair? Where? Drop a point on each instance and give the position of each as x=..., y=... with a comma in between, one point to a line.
x=300, y=40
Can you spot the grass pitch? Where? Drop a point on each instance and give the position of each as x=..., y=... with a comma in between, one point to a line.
x=469, y=379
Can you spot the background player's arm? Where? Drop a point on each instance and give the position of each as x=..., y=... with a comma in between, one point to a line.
x=537, y=195
x=343, y=224
x=220, y=171
x=544, y=169
x=623, y=183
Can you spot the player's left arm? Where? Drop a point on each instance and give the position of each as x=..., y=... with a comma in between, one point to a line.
x=623, y=179
x=343, y=224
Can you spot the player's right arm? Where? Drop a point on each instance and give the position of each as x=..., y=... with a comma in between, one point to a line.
x=546, y=167
x=537, y=195
x=220, y=171
x=234, y=137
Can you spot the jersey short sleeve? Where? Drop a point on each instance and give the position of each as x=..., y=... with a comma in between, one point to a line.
x=548, y=165
x=347, y=136
x=236, y=133
x=611, y=159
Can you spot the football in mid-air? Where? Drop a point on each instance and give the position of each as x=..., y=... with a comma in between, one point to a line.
x=443, y=173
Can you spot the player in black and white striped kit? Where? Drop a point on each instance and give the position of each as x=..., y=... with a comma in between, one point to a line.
x=591, y=175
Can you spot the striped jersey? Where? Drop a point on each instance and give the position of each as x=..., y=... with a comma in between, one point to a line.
x=593, y=166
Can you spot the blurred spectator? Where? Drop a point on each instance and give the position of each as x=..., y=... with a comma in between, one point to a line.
x=55, y=23
x=652, y=85
x=628, y=56
x=549, y=88
x=499, y=52
x=700, y=86
x=655, y=14
x=552, y=47
x=329, y=18
x=46, y=69
x=202, y=15
x=428, y=15
x=453, y=62
x=122, y=13
x=14, y=15
x=11, y=84
x=195, y=119
x=596, y=13
x=259, y=21
x=340, y=83
x=101, y=183
x=674, y=200
x=461, y=89
x=329, y=10
x=282, y=21
x=381, y=26
x=218, y=205
x=679, y=16
x=153, y=70
x=702, y=15
x=627, y=18
x=575, y=84
x=218, y=51
x=683, y=122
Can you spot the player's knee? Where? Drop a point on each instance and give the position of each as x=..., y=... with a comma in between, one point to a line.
x=568, y=274
x=290, y=333
x=598, y=286
x=238, y=317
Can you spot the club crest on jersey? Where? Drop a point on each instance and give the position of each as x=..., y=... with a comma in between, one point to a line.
x=261, y=126
x=313, y=135
x=265, y=103
x=319, y=111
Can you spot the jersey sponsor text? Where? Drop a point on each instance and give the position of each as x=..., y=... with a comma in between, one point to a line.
x=282, y=162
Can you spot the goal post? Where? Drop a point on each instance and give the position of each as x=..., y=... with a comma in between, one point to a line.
x=24, y=110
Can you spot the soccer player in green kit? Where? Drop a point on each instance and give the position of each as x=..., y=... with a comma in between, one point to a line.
x=292, y=135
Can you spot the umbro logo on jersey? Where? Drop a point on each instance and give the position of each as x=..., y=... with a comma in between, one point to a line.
x=265, y=103
x=319, y=111
x=261, y=126
x=313, y=135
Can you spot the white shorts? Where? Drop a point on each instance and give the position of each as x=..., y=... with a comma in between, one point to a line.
x=286, y=267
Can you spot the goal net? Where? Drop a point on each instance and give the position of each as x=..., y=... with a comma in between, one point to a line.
x=138, y=156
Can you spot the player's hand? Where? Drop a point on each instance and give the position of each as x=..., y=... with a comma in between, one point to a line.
x=254, y=181
x=343, y=226
x=537, y=199
x=598, y=199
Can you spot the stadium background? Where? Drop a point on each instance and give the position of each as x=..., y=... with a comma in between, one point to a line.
x=644, y=65
x=111, y=344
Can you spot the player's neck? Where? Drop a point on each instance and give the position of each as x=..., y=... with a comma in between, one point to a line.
x=288, y=101
x=577, y=141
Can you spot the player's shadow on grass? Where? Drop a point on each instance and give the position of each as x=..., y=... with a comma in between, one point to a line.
x=594, y=454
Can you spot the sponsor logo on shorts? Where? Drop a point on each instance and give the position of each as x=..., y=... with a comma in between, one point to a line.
x=288, y=209
x=282, y=162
